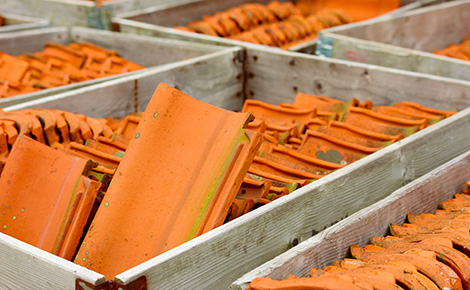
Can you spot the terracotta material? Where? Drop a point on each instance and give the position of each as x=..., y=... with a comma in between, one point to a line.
x=268, y=176
x=297, y=157
x=272, y=167
x=97, y=155
x=380, y=123
x=55, y=210
x=441, y=274
x=53, y=128
x=332, y=149
x=202, y=169
x=317, y=170
x=279, y=24
x=114, y=143
x=322, y=103
x=327, y=282
x=460, y=51
x=129, y=126
x=408, y=114
x=357, y=135
x=257, y=125
x=58, y=65
x=358, y=10
x=250, y=193
x=432, y=252
x=278, y=115
x=415, y=107
x=312, y=124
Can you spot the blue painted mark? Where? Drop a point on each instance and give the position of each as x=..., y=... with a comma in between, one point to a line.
x=324, y=46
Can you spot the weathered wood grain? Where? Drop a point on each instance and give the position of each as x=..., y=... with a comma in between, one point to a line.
x=408, y=41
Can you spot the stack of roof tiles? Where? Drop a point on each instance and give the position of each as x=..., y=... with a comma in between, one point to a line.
x=431, y=251
x=460, y=51
x=58, y=65
x=182, y=180
x=275, y=24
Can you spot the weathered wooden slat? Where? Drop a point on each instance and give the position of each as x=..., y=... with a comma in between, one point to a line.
x=13, y=22
x=23, y=266
x=420, y=196
x=408, y=42
x=289, y=73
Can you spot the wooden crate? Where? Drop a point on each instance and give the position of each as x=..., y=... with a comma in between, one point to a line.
x=404, y=42
x=423, y=195
x=146, y=51
x=159, y=20
x=216, y=259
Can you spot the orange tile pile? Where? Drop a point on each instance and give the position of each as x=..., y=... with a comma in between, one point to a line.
x=460, y=51
x=285, y=147
x=94, y=138
x=431, y=251
x=58, y=65
x=275, y=24
x=65, y=163
x=316, y=135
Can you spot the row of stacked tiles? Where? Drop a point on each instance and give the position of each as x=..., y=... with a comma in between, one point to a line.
x=217, y=167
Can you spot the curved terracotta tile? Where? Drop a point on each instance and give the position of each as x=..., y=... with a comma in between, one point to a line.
x=276, y=114
x=62, y=52
x=43, y=216
x=183, y=190
x=112, y=143
x=424, y=109
x=297, y=157
x=74, y=126
x=326, y=282
x=10, y=130
x=275, y=168
x=240, y=18
x=48, y=121
x=380, y=123
x=11, y=68
x=322, y=103
x=356, y=135
x=129, y=126
x=401, y=113
x=95, y=155
x=318, y=170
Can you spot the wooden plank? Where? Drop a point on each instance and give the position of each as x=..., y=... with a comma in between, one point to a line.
x=289, y=73
x=20, y=42
x=23, y=266
x=408, y=40
x=214, y=79
x=419, y=196
x=146, y=51
x=71, y=12
x=414, y=29
x=13, y=22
